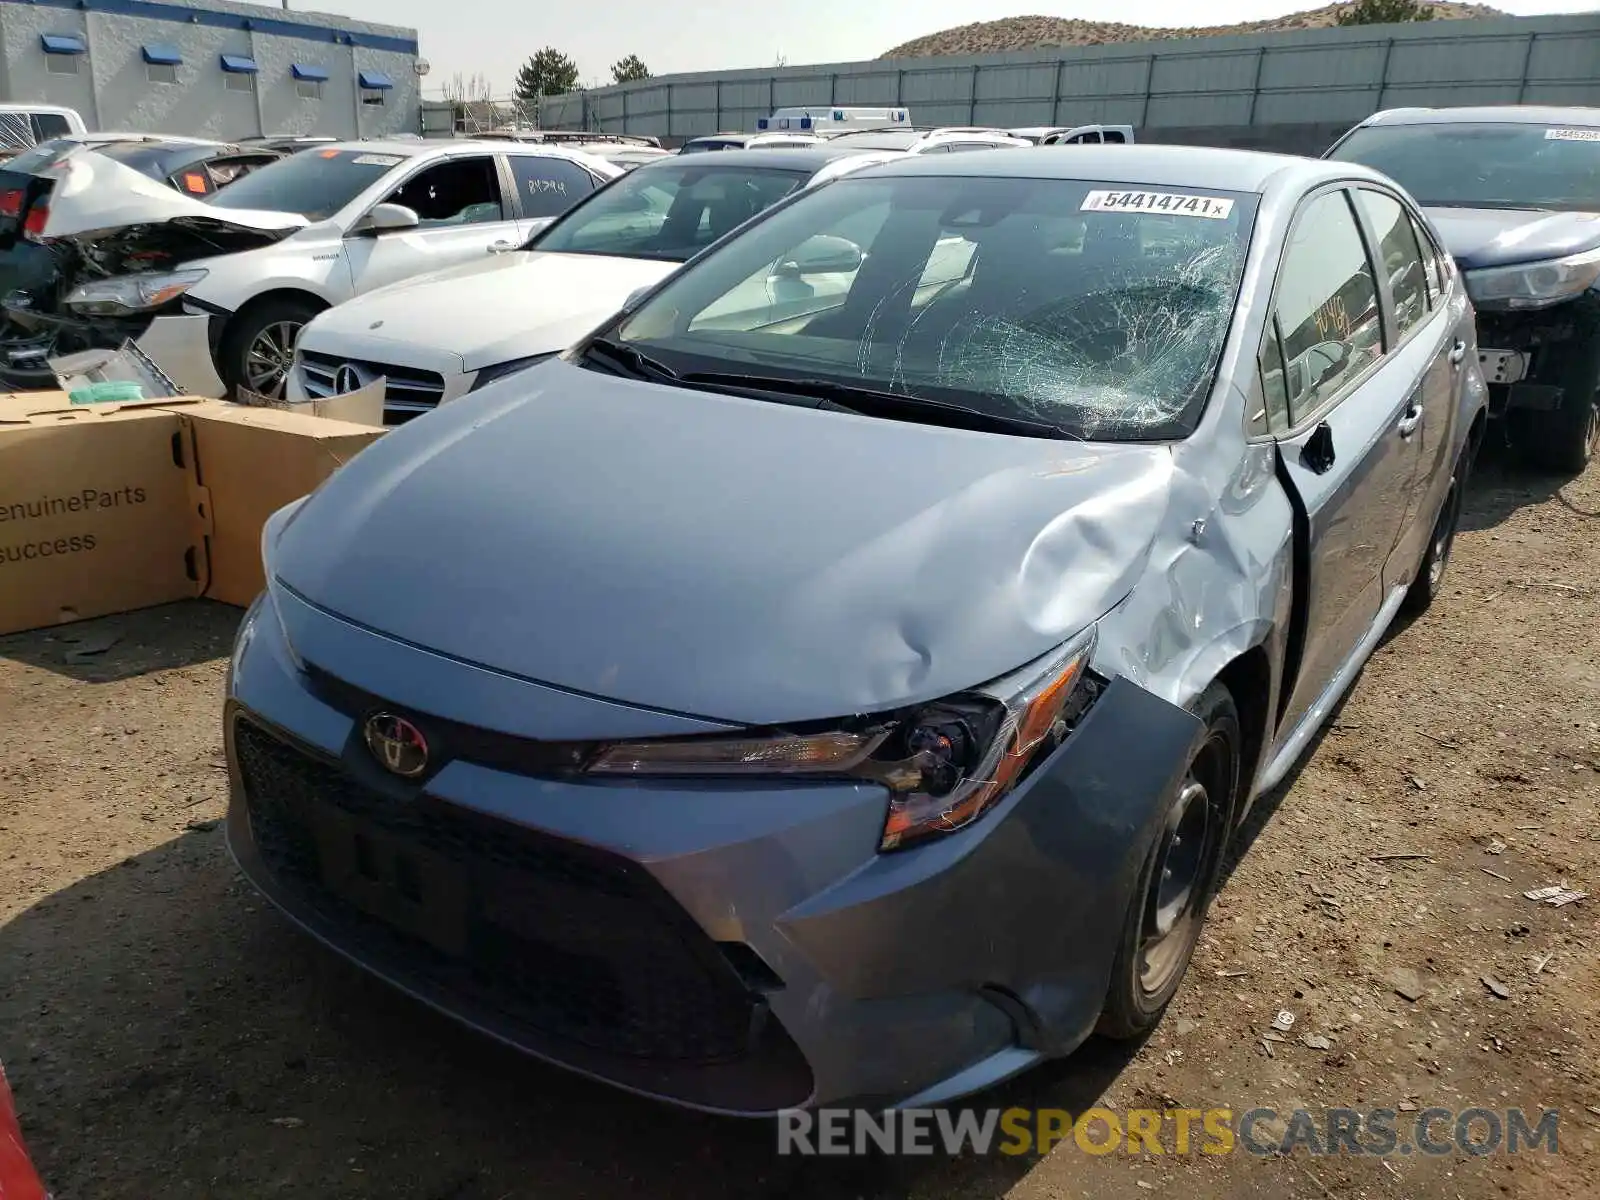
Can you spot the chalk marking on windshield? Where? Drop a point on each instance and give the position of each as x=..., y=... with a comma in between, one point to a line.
x=1172, y=203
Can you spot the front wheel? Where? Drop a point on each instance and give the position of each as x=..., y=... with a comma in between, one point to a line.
x=258, y=348
x=1429, y=582
x=1179, y=878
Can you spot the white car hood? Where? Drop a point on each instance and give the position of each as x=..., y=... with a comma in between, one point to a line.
x=93, y=193
x=501, y=307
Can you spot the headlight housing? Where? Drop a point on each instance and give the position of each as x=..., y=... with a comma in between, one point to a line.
x=125, y=294
x=497, y=371
x=1534, y=285
x=945, y=763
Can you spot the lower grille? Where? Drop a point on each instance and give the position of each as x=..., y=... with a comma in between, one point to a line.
x=576, y=943
x=407, y=391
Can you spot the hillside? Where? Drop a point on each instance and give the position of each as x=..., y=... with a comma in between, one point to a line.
x=1028, y=33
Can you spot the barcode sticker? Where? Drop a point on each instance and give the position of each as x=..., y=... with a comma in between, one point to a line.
x=1572, y=135
x=1167, y=203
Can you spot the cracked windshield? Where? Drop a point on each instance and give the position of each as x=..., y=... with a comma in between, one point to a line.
x=1067, y=308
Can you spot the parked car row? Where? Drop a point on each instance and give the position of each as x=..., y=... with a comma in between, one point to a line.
x=802, y=539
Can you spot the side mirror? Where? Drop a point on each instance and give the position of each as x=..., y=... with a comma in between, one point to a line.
x=385, y=218
x=822, y=255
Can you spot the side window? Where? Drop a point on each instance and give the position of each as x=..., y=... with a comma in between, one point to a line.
x=1401, y=257
x=462, y=191
x=1326, y=306
x=1116, y=135
x=549, y=186
x=1274, y=414
x=1435, y=264
x=49, y=125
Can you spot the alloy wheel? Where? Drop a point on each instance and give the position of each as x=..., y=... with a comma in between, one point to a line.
x=267, y=361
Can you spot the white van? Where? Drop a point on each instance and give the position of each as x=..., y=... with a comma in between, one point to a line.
x=826, y=119
x=24, y=126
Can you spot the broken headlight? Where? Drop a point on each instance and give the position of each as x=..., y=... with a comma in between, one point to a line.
x=945, y=764
x=126, y=294
x=1534, y=285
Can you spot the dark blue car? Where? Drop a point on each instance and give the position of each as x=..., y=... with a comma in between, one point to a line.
x=1514, y=192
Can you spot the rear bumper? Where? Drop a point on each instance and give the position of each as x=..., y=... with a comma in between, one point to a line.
x=911, y=977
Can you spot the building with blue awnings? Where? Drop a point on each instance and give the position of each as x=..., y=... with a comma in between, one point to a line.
x=210, y=68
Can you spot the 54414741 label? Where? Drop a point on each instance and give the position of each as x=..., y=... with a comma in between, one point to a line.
x=1170, y=204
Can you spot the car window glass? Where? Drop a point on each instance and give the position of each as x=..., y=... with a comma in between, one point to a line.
x=50, y=125
x=1401, y=257
x=1434, y=263
x=461, y=191
x=1274, y=414
x=1027, y=297
x=1327, y=304
x=314, y=183
x=549, y=186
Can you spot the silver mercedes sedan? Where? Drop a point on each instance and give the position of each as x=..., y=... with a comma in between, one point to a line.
x=837, y=677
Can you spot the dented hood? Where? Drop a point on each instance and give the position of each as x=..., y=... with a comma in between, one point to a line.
x=1495, y=237
x=95, y=195
x=719, y=556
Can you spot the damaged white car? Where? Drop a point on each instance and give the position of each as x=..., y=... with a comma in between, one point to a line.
x=270, y=252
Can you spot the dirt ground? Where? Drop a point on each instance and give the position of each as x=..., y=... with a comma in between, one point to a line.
x=169, y=1035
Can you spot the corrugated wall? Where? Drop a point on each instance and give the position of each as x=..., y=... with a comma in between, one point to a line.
x=1278, y=89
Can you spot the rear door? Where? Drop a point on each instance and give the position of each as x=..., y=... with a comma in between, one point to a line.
x=1341, y=418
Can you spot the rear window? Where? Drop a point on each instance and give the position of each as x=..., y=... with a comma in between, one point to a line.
x=1484, y=165
x=316, y=184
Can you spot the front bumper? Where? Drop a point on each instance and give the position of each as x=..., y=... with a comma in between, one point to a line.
x=736, y=948
x=417, y=378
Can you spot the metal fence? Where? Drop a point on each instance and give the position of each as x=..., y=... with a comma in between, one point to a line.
x=1257, y=89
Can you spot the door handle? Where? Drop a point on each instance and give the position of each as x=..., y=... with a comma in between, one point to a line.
x=1413, y=417
x=501, y=247
x=1457, y=353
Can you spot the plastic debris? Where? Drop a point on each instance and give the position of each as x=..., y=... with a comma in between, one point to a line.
x=1495, y=847
x=1495, y=986
x=1284, y=1021
x=1315, y=1041
x=1556, y=895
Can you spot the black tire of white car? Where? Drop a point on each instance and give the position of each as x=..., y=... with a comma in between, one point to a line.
x=1179, y=876
x=244, y=363
x=1430, y=571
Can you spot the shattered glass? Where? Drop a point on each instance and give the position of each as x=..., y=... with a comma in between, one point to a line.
x=1006, y=296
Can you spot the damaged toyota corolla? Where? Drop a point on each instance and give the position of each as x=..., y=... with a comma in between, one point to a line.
x=1514, y=192
x=757, y=707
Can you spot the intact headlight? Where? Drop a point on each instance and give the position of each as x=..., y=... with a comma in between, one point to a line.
x=945, y=764
x=498, y=371
x=1534, y=285
x=125, y=294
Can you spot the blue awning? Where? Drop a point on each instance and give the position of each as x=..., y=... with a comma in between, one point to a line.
x=309, y=72
x=62, y=43
x=238, y=64
x=161, y=54
x=376, y=81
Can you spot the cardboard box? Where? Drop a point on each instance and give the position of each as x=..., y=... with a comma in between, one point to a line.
x=101, y=510
x=253, y=461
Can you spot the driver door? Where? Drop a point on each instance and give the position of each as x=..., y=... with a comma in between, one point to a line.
x=1340, y=410
x=462, y=211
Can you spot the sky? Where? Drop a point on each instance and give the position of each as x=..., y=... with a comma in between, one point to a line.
x=494, y=37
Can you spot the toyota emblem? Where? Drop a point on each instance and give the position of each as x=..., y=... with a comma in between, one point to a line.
x=346, y=379
x=397, y=744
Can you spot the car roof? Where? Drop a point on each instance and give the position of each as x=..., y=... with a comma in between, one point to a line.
x=1504, y=114
x=1144, y=166
x=792, y=158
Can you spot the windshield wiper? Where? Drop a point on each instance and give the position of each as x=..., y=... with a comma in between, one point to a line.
x=870, y=402
x=622, y=359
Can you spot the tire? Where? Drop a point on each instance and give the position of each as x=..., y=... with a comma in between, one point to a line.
x=1561, y=442
x=258, y=345
x=1426, y=587
x=1179, y=877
